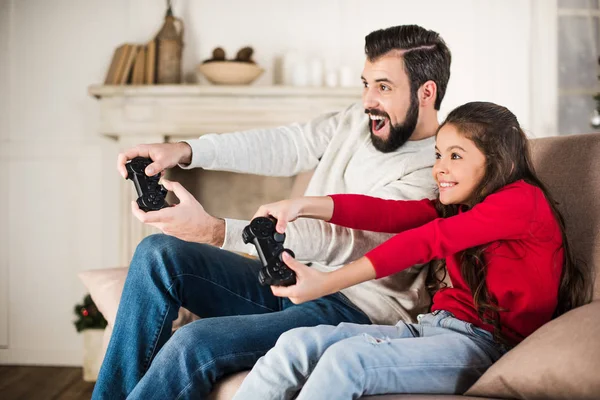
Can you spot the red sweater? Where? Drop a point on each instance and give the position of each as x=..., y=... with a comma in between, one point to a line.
x=524, y=254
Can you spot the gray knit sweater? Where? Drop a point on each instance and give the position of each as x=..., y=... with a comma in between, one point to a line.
x=339, y=146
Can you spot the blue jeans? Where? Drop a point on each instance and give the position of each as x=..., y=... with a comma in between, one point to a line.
x=241, y=321
x=440, y=354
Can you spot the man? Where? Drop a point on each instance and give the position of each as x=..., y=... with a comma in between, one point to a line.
x=387, y=152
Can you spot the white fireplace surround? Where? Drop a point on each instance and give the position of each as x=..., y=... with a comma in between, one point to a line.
x=150, y=114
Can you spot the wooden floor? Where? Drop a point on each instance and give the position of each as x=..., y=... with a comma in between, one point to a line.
x=43, y=383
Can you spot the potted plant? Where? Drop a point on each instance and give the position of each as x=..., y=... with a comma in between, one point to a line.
x=91, y=323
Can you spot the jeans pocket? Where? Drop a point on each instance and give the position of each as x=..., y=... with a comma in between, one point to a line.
x=346, y=301
x=480, y=332
x=488, y=338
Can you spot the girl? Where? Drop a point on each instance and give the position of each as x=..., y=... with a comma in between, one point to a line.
x=494, y=228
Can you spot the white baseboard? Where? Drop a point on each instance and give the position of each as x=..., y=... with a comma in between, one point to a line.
x=41, y=357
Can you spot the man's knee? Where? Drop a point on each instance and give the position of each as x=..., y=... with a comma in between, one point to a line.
x=150, y=255
x=155, y=246
x=187, y=336
x=199, y=343
x=160, y=252
x=177, y=349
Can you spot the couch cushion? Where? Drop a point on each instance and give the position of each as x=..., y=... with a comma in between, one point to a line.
x=425, y=397
x=560, y=360
x=105, y=287
x=227, y=387
x=570, y=167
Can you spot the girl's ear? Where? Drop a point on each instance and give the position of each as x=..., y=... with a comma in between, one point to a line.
x=427, y=94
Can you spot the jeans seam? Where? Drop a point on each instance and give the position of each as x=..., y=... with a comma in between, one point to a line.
x=155, y=340
x=474, y=366
x=220, y=286
x=212, y=361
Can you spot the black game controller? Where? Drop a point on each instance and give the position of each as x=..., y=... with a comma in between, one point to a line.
x=269, y=246
x=151, y=193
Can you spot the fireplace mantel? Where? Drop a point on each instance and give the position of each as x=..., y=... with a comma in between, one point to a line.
x=179, y=111
x=161, y=113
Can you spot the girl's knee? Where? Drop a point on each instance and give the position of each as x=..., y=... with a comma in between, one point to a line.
x=305, y=336
x=294, y=337
x=345, y=352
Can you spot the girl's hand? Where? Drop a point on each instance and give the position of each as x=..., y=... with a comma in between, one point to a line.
x=289, y=210
x=310, y=283
x=284, y=211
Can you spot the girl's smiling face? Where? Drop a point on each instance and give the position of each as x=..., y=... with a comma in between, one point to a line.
x=459, y=166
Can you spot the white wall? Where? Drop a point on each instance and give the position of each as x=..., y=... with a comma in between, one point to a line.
x=58, y=203
x=56, y=188
x=4, y=129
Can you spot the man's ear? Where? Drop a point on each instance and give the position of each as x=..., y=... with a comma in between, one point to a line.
x=427, y=94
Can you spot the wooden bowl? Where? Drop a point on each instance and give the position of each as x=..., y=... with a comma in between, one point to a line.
x=230, y=72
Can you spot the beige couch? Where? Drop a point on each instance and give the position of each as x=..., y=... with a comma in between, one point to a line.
x=561, y=360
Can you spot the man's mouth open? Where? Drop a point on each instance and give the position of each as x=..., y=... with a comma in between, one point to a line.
x=378, y=124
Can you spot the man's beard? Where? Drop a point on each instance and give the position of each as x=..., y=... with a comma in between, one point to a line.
x=399, y=134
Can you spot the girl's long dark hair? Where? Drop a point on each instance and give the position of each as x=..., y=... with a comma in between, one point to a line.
x=498, y=135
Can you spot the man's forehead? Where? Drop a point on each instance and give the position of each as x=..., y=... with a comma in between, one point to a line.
x=392, y=56
x=395, y=53
x=388, y=66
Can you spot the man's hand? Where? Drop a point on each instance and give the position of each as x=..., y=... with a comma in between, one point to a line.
x=163, y=155
x=186, y=221
x=310, y=283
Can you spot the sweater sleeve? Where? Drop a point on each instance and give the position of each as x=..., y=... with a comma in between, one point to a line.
x=282, y=151
x=504, y=215
x=378, y=215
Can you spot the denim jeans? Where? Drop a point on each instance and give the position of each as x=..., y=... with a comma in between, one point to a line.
x=439, y=354
x=241, y=321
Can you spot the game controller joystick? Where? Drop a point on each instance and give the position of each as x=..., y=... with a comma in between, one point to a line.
x=269, y=246
x=151, y=194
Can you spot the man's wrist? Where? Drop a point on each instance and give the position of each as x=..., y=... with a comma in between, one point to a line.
x=218, y=232
x=186, y=158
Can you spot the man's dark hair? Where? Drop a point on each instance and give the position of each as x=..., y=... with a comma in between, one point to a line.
x=426, y=56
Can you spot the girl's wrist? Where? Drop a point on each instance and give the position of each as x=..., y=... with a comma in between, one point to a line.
x=332, y=283
x=316, y=207
x=303, y=206
x=351, y=274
